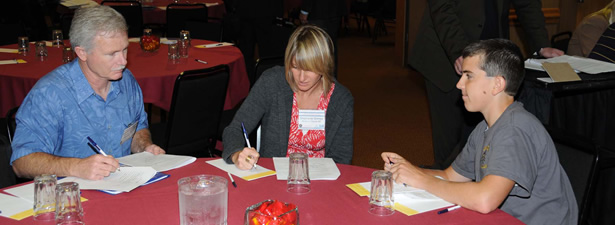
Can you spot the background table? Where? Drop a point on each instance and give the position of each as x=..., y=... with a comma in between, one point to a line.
x=329, y=202
x=152, y=14
x=153, y=73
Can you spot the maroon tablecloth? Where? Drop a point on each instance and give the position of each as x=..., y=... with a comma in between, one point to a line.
x=153, y=73
x=329, y=202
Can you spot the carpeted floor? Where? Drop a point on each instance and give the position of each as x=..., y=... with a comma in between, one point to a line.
x=391, y=111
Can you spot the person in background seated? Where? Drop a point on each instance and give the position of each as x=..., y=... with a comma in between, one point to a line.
x=509, y=161
x=93, y=96
x=301, y=107
x=587, y=33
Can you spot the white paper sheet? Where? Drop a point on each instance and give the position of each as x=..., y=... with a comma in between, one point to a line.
x=319, y=168
x=160, y=163
x=257, y=172
x=127, y=179
x=579, y=64
x=12, y=61
x=8, y=50
x=25, y=192
x=214, y=45
x=12, y=206
x=72, y=4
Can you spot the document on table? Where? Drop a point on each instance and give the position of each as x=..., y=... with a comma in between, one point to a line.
x=14, y=207
x=160, y=163
x=214, y=45
x=319, y=168
x=12, y=61
x=586, y=65
x=253, y=174
x=8, y=50
x=125, y=180
x=408, y=200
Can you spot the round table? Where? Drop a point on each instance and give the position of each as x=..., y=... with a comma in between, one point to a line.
x=329, y=202
x=153, y=72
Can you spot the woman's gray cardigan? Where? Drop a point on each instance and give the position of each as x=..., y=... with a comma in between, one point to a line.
x=270, y=102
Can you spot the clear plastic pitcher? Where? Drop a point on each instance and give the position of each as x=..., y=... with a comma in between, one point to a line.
x=203, y=199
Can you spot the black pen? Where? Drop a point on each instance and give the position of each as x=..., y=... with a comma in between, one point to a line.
x=449, y=209
x=232, y=181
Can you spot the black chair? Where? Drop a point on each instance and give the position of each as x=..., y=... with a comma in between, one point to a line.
x=10, y=123
x=179, y=14
x=580, y=159
x=385, y=14
x=194, y=117
x=281, y=29
x=7, y=176
x=265, y=63
x=561, y=40
x=209, y=30
x=132, y=12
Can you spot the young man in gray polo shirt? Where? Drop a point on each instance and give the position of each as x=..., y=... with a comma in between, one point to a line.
x=509, y=160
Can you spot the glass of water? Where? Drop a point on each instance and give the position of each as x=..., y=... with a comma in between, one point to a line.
x=203, y=199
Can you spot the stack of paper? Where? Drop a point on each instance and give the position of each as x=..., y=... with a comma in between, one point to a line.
x=8, y=50
x=586, y=65
x=12, y=61
x=319, y=168
x=160, y=163
x=214, y=45
x=408, y=200
x=255, y=173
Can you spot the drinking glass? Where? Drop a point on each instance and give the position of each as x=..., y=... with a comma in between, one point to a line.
x=40, y=48
x=68, y=204
x=44, y=197
x=203, y=199
x=23, y=45
x=57, y=37
x=183, y=46
x=67, y=55
x=381, y=201
x=185, y=35
x=298, y=174
x=173, y=53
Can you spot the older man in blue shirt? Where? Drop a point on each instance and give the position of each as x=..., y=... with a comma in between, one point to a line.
x=94, y=96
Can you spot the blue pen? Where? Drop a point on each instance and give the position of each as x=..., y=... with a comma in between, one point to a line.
x=245, y=135
x=98, y=148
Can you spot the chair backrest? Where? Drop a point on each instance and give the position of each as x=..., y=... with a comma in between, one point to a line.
x=7, y=176
x=579, y=158
x=263, y=64
x=209, y=30
x=10, y=123
x=280, y=32
x=132, y=12
x=179, y=14
x=198, y=101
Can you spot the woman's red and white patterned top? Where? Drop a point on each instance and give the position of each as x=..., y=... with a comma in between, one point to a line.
x=313, y=142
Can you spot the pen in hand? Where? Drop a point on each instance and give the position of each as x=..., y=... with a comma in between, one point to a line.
x=245, y=135
x=391, y=163
x=97, y=148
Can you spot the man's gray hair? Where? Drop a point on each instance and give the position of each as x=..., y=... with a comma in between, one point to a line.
x=91, y=21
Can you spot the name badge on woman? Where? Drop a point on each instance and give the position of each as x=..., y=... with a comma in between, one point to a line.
x=311, y=120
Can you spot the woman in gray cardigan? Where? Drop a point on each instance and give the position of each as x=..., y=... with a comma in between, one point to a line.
x=292, y=106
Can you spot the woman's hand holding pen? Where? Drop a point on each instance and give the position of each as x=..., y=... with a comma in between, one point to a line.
x=246, y=158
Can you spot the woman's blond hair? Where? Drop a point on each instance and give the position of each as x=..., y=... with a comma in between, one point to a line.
x=311, y=49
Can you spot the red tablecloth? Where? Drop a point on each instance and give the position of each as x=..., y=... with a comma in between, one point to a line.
x=153, y=73
x=329, y=202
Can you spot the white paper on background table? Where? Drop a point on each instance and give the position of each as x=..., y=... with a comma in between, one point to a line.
x=127, y=179
x=319, y=168
x=214, y=45
x=72, y=4
x=160, y=163
x=257, y=172
x=8, y=50
x=12, y=61
x=408, y=200
x=586, y=65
